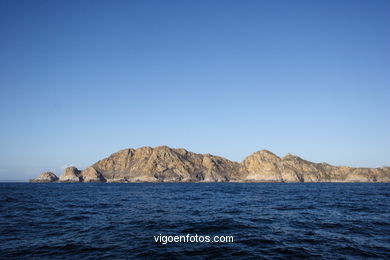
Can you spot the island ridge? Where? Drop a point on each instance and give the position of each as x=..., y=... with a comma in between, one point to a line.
x=165, y=164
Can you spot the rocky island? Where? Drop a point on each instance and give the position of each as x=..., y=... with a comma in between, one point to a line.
x=164, y=164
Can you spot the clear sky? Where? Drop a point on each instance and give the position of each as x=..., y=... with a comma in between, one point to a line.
x=80, y=80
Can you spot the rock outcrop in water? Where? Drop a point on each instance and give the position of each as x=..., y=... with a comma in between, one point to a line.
x=70, y=174
x=46, y=177
x=164, y=164
x=91, y=175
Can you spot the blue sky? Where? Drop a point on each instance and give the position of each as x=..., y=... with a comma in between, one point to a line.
x=82, y=79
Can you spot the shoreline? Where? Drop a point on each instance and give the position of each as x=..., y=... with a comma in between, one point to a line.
x=249, y=182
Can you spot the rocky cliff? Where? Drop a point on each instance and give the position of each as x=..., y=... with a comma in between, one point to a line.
x=70, y=174
x=164, y=164
x=264, y=166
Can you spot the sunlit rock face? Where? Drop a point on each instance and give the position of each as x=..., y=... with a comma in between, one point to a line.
x=261, y=166
x=164, y=164
x=70, y=174
x=91, y=175
x=265, y=166
x=45, y=177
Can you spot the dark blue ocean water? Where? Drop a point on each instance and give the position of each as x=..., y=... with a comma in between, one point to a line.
x=119, y=221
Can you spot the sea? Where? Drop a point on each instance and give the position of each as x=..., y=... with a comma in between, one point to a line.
x=263, y=220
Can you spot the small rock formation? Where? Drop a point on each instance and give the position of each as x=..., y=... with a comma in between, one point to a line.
x=118, y=180
x=164, y=164
x=46, y=177
x=91, y=175
x=70, y=174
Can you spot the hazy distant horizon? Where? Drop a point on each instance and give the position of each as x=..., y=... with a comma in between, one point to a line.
x=80, y=80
